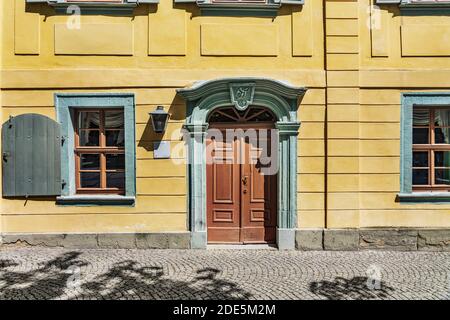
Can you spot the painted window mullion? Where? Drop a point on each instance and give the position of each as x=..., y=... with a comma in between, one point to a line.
x=432, y=141
x=102, y=145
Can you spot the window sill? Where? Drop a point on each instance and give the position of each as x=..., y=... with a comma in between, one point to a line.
x=95, y=200
x=110, y=8
x=424, y=197
x=430, y=10
x=268, y=8
x=419, y=8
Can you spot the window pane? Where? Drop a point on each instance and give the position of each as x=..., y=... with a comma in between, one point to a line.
x=89, y=138
x=89, y=161
x=88, y=120
x=115, y=138
x=90, y=179
x=441, y=135
x=442, y=159
x=420, y=177
x=420, y=159
x=421, y=117
x=442, y=176
x=115, y=161
x=420, y=136
x=265, y=116
x=224, y=115
x=115, y=180
x=114, y=119
x=442, y=117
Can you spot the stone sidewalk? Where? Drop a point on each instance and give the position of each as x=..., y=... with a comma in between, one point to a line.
x=43, y=273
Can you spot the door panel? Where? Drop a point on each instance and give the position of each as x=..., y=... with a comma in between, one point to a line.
x=223, y=187
x=241, y=199
x=259, y=196
x=223, y=198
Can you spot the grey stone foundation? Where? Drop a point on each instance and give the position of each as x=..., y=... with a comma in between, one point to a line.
x=286, y=239
x=199, y=240
x=169, y=240
x=400, y=239
x=309, y=239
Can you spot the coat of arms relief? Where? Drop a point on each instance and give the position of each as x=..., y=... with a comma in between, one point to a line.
x=242, y=95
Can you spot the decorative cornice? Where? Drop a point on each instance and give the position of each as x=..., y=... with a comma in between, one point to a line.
x=196, y=128
x=205, y=88
x=288, y=128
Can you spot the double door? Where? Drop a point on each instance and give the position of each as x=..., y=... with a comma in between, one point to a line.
x=241, y=190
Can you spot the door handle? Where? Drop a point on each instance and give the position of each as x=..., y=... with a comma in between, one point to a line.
x=244, y=180
x=5, y=156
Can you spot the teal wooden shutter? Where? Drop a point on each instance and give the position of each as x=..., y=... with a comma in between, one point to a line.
x=31, y=156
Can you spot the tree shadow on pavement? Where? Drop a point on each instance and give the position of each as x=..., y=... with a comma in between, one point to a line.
x=57, y=279
x=357, y=288
x=46, y=282
x=128, y=280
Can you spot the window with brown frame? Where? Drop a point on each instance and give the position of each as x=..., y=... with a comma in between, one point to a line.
x=431, y=149
x=100, y=151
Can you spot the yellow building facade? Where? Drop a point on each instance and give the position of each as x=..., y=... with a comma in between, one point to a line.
x=354, y=68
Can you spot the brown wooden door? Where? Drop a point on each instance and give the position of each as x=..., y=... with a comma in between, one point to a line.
x=223, y=192
x=241, y=200
x=259, y=197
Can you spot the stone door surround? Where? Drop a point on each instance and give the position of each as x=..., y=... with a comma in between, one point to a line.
x=282, y=99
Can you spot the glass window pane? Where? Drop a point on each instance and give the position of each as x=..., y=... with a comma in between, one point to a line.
x=252, y=111
x=115, y=138
x=89, y=161
x=265, y=116
x=115, y=161
x=115, y=180
x=89, y=138
x=88, y=120
x=442, y=135
x=442, y=176
x=421, y=117
x=442, y=159
x=90, y=179
x=420, y=136
x=442, y=117
x=420, y=159
x=114, y=119
x=217, y=117
x=420, y=177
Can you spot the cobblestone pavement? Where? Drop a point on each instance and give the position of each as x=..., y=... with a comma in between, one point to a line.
x=44, y=273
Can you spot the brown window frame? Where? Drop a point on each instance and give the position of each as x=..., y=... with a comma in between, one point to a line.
x=102, y=150
x=431, y=147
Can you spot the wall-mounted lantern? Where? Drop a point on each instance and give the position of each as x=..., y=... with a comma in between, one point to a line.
x=160, y=118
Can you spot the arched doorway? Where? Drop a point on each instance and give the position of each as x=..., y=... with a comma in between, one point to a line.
x=241, y=176
x=282, y=99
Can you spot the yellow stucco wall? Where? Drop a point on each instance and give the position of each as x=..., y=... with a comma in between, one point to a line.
x=1, y=94
x=154, y=52
x=370, y=63
x=355, y=70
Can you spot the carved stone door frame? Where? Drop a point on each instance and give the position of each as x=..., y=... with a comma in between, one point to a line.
x=279, y=97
